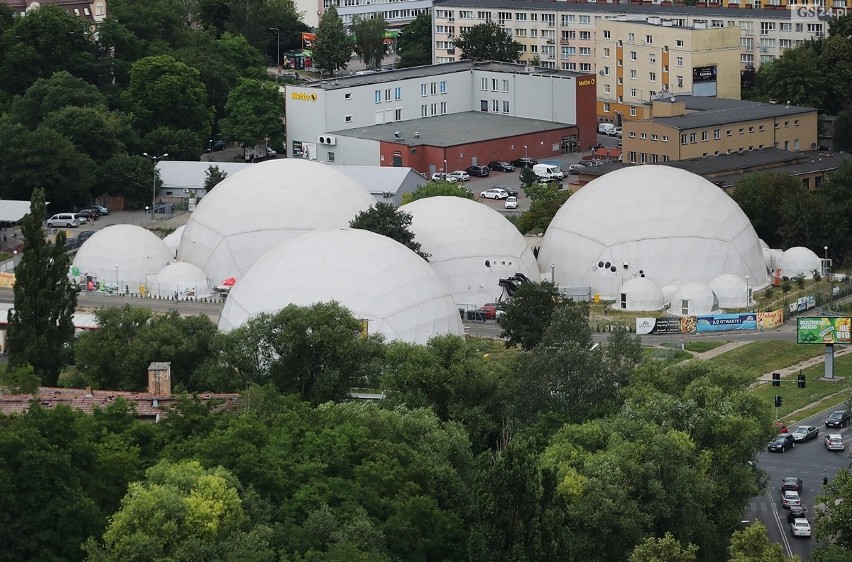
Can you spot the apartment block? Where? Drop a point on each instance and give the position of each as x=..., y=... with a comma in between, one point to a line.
x=686, y=127
x=562, y=35
x=636, y=61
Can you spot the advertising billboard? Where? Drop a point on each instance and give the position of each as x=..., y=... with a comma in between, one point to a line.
x=704, y=80
x=726, y=322
x=823, y=329
x=666, y=325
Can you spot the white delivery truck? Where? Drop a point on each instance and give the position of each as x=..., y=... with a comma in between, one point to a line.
x=548, y=171
x=606, y=129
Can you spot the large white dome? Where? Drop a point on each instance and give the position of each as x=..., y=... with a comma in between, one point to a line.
x=376, y=278
x=263, y=205
x=181, y=278
x=667, y=223
x=797, y=261
x=472, y=247
x=124, y=254
x=172, y=240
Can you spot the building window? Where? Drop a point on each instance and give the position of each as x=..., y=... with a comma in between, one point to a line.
x=505, y=106
x=633, y=92
x=649, y=39
x=387, y=94
x=348, y=118
x=585, y=19
x=378, y=96
x=330, y=157
x=693, y=137
x=632, y=55
x=585, y=51
x=652, y=58
x=679, y=43
x=397, y=114
x=632, y=112
x=443, y=108
x=633, y=74
x=653, y=136
x=680, y=81
x=494, y=84
x=483, y=85
x=652, y=76
x=505, y=85
x=586, y=66
x=606, y=107
x=397, y=93
x=796, y=123
x=705, y=135
x=665, y=138
x=585, y=35
x=495, y=106
x=742, y=130
x=642, y=136
x=632, y=135
x=606, y=34
x=434, y=109
x=728, y=133
x=607, y=89
x=631, y=37
x=717, y=134
x=606, y=52
x=606, y=71
x=424, y=110
x=631, y=157
x=442, y=86
x=423, y=90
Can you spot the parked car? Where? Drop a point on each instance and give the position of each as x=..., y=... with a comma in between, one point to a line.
x=545, y=181
x=511, y=202
x=72, y=244
x=100, y=211
x=606, y=129
x=440, y=176
x=85, y=235
x=800, y=528
x=270, y=153
x=576, y=168
x=81, y=218
x=90, y=214
x=834, y=442
x=524, y=162
x=68, y=220
x=790, y=498
x=837, y=418
x=215, y=146
x=617, y=132
x=805, y=433
x=780, y=427
x=491, y=310
x=510, y=190
x=781, y=443
x=460, y=175
x=494, y=193
x=791, y=483
x=500, y=166
x=796, y=512
x=479, y=171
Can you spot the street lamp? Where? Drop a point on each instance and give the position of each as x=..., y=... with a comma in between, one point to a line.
x=445, y=169
x=748, y=300
x=154, y=192
x=278, y=51
x=116, y=279
x=525, y=152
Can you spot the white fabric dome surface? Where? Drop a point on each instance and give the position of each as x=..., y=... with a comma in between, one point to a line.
x=172, y=240
x=376, y=278
x=263, y=205
x=641, y=294
x=185, y=279
x=123, y=252
x=699, y=298
x=730, y=291
x=462, y=236
x=668, y=223
x=797, y=261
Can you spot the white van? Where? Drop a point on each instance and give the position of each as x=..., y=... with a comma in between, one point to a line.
x=548, y=171
x=63, y=219
x=606, y=129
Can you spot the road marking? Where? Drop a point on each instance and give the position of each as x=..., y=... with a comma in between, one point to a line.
x=784, y=538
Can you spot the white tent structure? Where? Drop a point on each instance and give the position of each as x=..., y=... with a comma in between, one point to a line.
x=797, y=261
x=472, y=247
x=640, y=293
x=181, y=279
x=172, y=240
x=122, y=254
x=376, y=278
x=669, y=290
x=693, y=298
x=263, y=205
x=731, y=291
x=660, y=221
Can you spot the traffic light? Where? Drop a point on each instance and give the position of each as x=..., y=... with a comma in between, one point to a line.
x=800, y=381
x=776, y=379
x=779, y=401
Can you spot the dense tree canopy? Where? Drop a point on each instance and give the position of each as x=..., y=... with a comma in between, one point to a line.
x=333, y=47
x=369, y=42
x=386, y=220
x=436, y=188
x=253, y=113
x=488, y=41
x=414, y=44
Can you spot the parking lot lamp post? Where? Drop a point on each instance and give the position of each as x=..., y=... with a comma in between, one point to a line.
x=116, y=278
x=154, y=191
x=748, y=300
x=277, y=52
x=445, y=169
x=526, y=155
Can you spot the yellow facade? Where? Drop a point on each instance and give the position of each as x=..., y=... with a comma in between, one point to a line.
x=637, y=61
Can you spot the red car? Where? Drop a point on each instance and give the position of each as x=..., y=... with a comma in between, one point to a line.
x=781, y=427
x=490, y=310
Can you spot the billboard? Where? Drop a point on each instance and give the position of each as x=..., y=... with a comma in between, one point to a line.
x=823, y=329
x=704, y=80
x=726, y=322
x=666, y=325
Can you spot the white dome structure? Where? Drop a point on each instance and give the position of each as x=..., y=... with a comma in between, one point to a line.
x=124, y=254
x=172, y=240
x=185, y=280
x=376, y=278
x=774, y=254
x=262, y=206
x=730, y=291
x=640, y=293
x=472, y=247
x=660, y=221
x=798, y=261
x=669, y=290
x=693, y=298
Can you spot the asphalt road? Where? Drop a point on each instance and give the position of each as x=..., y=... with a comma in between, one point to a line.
x=809, y=461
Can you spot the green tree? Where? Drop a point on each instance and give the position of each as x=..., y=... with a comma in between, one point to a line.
x=179, y=144
x=383, y=219
x=834, y=521
x=333, y=47
x=414, y=44
x=761, y=196
x=213, y=177
x=488, y=41
x=796, y=77
x=546, y=200
x=47, y=95
x=528, y=177
x=752, y=545
x=528, y=314
x=20, y=380
x=253, y=113
x=125, y=175
x=41, y=324
x=369, y=39
x=843, y=131
x=435, y=188
x=665, y=549
x=182, y=512
x=92, y=130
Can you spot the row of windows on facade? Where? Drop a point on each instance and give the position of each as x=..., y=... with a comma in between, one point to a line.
x=646, y=158
x=389, y=15
x=688, y=138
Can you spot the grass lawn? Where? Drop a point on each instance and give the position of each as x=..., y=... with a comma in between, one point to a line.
x=815, y=391
x=702, y=346
x=757, y=358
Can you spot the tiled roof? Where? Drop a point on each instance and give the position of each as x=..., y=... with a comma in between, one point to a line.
x=86, y=400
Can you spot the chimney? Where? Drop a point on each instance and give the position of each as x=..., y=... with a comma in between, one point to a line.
x=160, y=379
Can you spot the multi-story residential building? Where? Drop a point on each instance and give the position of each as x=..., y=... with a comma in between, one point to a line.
x=397, y=13
x=442, y=116
x=91, y=10
x=686, y=127
x=562, y=35
x=638, y=60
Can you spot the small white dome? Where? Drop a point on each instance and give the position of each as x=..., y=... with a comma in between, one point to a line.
x=798, y=261
x=263, y=205
x=639, y=293
x=774, y=254
x=124, y=254
x=698, y=298
x=472, y=247
x=669, y=290
x=376, y=278
x=172, y=240
x=730, y=291
x=762, y=243
x=185, y=279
